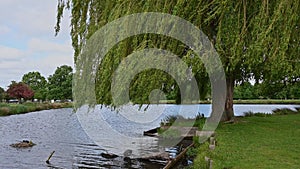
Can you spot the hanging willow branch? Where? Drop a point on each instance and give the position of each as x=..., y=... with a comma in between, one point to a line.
x=255, y=38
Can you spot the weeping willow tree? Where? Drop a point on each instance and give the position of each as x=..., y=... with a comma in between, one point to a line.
x=256, y=39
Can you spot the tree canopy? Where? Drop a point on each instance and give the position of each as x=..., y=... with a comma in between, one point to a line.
x=2, y=94
x=20, y=90
x=256, y=39
x=37, y=83
x=60, y=83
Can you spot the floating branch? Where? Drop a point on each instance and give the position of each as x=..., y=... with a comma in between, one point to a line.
x=48, y=160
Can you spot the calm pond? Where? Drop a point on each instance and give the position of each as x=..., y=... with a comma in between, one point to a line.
x=60, y=131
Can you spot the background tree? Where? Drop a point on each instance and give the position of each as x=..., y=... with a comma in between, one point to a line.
x=255, y=39
x=37, y=83
x=282, y=89
x=246, y=91
x=2, y=94
x=60, y=83
x=20, y=90
x=294, y=90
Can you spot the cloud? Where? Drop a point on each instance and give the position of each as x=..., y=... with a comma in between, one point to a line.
x=38, y=45
x=32, y=17
x=50, y=55
x=15, y=63
x=9, y=54
x=4, y=29
x=11, y=60
x=27, y=41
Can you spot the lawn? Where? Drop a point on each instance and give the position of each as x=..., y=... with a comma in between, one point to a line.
x=255, y=142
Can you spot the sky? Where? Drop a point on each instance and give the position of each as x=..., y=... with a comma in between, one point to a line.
x=28, y=42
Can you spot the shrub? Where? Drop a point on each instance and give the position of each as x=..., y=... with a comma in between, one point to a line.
x=21, y=109
x=4, y=111
x=284, y=111
x=258, y=114
x=248, y=114
x=39, y=108
x=169, y=120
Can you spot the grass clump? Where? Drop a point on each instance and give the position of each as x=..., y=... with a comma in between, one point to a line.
x=199, y=153
x=285, y=111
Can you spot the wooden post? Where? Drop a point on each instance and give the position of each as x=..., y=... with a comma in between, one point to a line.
x=211, y=164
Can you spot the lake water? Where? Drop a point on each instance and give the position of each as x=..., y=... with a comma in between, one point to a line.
x=60, y=131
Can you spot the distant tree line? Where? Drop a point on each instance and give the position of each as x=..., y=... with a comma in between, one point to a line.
x=34, y=86
x=59, y=87
x=261, y=90
x=268, y=90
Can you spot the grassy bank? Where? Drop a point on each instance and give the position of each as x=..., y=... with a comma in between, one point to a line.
x=266, y=101
x=255, y=142
x=11, y=109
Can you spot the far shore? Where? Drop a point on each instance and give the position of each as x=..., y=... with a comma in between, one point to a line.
x=7, y=109
x=250, y=101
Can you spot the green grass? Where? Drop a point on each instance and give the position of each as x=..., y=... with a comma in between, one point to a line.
x=11, y=109
x=255, y=142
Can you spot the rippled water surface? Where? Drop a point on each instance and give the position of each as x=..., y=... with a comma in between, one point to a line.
x=59, y=131
x=52, y=130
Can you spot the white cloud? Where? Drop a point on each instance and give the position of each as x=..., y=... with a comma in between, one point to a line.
x=15, y=63
x=4, y=29
x=8, y=53
x=38, y=45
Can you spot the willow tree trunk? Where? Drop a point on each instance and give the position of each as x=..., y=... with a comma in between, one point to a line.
x=228, y=110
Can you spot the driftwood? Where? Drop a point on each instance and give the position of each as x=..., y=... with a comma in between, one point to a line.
x=109, y=155
x=48, y=160
x=152, y=132
x=172, y=162
x=230, y=121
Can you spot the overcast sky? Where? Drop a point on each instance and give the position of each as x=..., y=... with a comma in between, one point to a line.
x=27, y=41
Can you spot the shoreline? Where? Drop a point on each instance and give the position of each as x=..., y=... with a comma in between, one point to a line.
x=7, y=109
